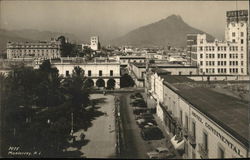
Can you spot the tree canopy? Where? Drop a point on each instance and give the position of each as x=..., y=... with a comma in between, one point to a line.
x=37, y=108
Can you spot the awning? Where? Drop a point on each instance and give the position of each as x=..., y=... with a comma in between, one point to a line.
x=177, y=145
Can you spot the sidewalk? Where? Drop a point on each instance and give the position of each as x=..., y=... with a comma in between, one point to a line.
x=101, y=136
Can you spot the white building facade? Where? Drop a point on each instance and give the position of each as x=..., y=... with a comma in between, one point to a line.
x=94, y=43
x=38, y=50
x=202, y=135
x=99, y=74
x=227, y=58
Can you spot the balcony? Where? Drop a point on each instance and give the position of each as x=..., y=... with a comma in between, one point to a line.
x=192, y=140
x=203, y=151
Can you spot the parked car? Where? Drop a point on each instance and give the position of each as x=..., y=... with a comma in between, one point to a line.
x=142, y=122
x=145, y=115
x=160, y=153
x=139, y=103
x=151, y=133
x=136, y=95
x=138, y=110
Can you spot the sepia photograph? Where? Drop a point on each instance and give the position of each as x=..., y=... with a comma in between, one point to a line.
x=124, y=79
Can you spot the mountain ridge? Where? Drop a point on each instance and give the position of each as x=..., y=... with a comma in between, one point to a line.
x=171, y=30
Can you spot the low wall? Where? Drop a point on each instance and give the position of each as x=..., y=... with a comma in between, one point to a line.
x=220, y=78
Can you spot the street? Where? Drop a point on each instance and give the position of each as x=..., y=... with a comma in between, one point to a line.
x=134, y=146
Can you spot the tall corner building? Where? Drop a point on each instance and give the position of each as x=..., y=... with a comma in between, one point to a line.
x=94, y=43
x=38, y=50
x=228, y=57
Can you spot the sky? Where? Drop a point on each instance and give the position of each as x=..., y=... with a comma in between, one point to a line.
x=111, y=19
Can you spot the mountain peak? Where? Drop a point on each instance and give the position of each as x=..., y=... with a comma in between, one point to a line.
x=171, y=30
x=174, y=17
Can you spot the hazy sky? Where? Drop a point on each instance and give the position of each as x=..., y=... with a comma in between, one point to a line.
x=110, y=19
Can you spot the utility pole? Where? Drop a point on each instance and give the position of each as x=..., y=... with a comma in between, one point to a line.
x=72, y=128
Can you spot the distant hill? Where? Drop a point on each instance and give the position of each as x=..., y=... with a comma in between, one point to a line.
x=29, y=35
x=169, y=31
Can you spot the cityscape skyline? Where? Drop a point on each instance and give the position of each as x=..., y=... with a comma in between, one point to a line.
x=110, y=20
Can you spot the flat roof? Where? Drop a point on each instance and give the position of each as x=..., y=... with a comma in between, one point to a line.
x=229, y=112
x=162, y=65
x=132, y=57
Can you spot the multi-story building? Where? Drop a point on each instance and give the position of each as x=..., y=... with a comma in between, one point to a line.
x=202, y=121
x=94, y=43
x=99, y=73
x=125, y=60
x=138, y=70
x=229, y=57
x=38, y=50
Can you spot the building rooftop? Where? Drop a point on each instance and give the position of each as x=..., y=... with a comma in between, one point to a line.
x=132, y=57
x=229, y=112
x=163, y=65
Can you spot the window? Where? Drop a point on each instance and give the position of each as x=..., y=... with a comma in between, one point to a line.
x=190, y=73
x=241, y=48
x=242, y=41
x=193, y=130
x=201, y=55
x=111, y=72
x=201, y=48
x=67, y=73
x=242, y=70
x=179, y=73
x=89, y=73
x=100, y=73
x=218, y=55
x=181, y=116
x=205, y=140
x=186, y=121
x=221, y=153
x=201, y=63
x=233, y=34
x=242, y=34
x=233, y=40
x=218, y=63
x=242, y=63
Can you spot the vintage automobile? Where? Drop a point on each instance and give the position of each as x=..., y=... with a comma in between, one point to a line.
x=160, y=153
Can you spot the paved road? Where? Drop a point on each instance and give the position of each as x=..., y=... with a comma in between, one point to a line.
x=135, y=146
